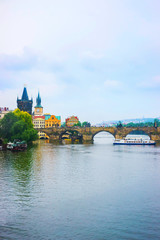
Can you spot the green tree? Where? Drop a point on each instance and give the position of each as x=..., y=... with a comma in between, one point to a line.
x=17, y=125
x=24, y=116
x=142, y=124
x=86, y=124
x=6, y=125
x=156, y=123
x=77, y=124
x=119, y=124
x=63, y=124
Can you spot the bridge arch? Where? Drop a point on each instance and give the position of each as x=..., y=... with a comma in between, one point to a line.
x=138, y=132
x=72, y=134
x=100, y=132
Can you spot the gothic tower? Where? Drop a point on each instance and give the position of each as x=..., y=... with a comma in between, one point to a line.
x=38, y=109
x=25, y=104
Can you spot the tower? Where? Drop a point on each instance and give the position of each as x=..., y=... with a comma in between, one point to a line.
x=38, y=109
x=24, y=104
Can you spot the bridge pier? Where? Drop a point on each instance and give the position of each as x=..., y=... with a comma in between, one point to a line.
x=54, y=138
x=155, y=137
x=119, y=136
x=87, y=139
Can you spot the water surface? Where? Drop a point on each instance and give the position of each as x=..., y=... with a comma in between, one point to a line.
x=96, y=191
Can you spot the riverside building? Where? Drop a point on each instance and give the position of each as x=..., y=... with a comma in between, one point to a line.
x=38, y=118
x=4, y=111
x=53, y=121
x=71, y=121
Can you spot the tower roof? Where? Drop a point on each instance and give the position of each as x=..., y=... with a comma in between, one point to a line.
x=38, y=101
x=25, y=94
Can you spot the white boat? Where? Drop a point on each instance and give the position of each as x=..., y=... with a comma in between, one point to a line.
x=132, y=141
x=9, y=146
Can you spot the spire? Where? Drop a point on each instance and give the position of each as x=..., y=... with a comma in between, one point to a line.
x=25, y=94
x=38, y=101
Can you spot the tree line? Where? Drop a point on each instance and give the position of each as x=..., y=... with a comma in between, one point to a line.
x=79, y=124
x=156, y=123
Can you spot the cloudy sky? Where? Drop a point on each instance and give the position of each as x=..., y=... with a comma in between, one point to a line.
x=97, y=59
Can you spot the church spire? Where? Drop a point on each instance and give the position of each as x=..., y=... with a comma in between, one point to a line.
x=38, y=109
x=38, y=101
x=25, y=94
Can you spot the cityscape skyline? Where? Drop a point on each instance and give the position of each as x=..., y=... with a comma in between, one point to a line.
x=38, y=104
x=98, y=61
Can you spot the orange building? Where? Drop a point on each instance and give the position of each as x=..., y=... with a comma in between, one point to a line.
x=71, y=121
x=53, y=121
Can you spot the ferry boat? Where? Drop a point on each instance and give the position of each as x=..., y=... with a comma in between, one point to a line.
x=132, y=141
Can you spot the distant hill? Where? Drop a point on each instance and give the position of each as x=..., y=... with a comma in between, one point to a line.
x=126, y=121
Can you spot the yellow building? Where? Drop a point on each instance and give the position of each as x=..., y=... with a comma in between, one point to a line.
x=53, y=121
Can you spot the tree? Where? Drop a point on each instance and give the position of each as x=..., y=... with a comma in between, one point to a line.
x=17, y=125
x=86, y=124
x=6, y=125
x=156, y=123
x=77, y=124
x=63, y=124
x=119, y=124
x=24, y=116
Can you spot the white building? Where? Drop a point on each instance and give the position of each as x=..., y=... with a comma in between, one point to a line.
x=4, y=111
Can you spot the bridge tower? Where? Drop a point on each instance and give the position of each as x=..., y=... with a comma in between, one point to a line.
x=24, y=104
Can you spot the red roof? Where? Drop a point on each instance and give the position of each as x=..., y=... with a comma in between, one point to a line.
x=42, y=117
x=67, y=119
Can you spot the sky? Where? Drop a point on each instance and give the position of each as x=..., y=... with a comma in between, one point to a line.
x=98, y=60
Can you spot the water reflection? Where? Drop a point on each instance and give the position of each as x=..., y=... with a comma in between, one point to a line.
x=96, y=191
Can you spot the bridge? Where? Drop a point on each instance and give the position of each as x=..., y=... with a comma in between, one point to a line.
x=86, y=135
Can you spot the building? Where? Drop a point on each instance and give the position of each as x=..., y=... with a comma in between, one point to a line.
x=38, y=118
x=47, y=116
x=53, y=121
x=71, y=121
x=24, y=104
x=4, y=111
x=39, y=121
x=38, y=109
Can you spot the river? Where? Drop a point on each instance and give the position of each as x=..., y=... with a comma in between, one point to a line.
x=80, y=192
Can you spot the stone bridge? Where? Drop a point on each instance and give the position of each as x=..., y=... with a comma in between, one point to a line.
x=86, y=135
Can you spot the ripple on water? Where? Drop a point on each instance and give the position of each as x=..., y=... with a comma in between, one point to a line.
x=97, y=191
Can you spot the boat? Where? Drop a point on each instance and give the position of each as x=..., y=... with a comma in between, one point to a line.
x=132, y=141
x=9, y=146
x=17, y=145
